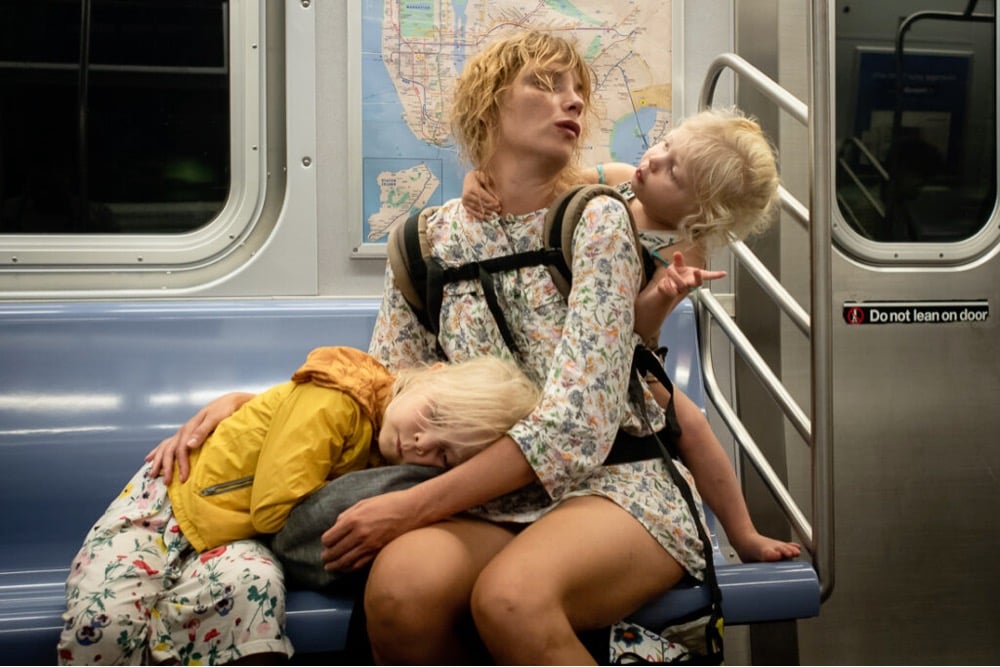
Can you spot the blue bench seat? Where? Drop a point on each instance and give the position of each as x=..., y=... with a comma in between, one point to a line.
x=87, y=388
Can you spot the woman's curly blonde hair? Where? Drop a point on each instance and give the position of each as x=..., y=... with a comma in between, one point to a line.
x=734, y=171
x=487, y=76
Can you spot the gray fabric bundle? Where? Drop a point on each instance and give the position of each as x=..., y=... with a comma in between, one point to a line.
x=298, y=544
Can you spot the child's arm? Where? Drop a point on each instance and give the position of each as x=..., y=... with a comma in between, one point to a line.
x=477, y=197
x=191, y=436
x=315, y=434
x=609, y=173
x=713, y=473
x=669, y=285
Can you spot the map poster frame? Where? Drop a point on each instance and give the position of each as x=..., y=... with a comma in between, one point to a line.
x=402, y=157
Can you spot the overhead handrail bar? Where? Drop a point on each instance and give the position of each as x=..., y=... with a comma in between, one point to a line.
x=762, y=82
x=818, y=327
x=899, y=50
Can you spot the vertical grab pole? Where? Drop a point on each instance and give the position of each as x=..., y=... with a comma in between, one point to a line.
x=821, y=187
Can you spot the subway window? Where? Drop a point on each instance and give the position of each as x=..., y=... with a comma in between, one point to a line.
x=916, y=125
x=114, y=116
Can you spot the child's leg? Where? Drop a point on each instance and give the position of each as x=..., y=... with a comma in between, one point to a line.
x=116, y=578
x=224, y=604
x=704, y=456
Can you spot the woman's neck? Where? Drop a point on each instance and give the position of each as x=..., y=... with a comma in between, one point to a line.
x=523, y=190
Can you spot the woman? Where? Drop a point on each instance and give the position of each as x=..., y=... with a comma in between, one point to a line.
x=557, y=543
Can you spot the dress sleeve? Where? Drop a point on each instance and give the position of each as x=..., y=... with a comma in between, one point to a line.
x=399, y=340
x=585, y=394
x=317, y=433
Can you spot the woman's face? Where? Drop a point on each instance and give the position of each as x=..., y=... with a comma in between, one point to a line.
x=407, y=436
x=541, y=116
x=662, y=181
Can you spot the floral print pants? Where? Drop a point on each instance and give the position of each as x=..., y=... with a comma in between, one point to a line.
x=139, y=593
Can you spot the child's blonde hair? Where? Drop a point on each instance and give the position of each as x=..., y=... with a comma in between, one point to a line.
x=484, y=396
x=488, y=75
x=734, y=170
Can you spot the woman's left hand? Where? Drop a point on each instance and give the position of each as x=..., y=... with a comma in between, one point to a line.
x=361, y=531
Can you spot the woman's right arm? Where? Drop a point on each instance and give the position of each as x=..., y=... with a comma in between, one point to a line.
x=191, y=436
x=367, y=526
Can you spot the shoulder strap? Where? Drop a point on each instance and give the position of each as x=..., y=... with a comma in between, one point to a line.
x=408, y=253
x=560, y=223
x=421, y=280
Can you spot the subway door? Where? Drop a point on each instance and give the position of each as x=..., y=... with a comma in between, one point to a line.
x=916, y=341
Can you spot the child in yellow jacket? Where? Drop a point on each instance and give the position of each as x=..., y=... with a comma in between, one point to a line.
x=169, y=572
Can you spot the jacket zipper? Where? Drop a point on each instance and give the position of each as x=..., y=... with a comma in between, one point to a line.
x=225, y=487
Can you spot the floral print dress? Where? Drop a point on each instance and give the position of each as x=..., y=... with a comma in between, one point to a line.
x=579, y=349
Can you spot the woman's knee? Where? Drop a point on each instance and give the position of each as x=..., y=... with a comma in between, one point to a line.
x=405, y=591
x=417, y=595
x=507, y=602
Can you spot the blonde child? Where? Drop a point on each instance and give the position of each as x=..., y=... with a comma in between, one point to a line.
x=169, y=572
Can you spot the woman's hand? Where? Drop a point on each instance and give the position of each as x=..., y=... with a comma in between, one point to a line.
x=362, y=530
x=191, y=436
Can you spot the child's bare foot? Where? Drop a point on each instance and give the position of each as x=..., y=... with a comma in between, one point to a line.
x=756, y=548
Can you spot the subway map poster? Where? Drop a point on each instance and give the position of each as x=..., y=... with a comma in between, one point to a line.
x=413, y=50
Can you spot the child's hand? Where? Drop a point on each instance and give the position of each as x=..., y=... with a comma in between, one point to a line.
x=675, y=281
x=668, y=287
x=191, y=435
x=477, y=198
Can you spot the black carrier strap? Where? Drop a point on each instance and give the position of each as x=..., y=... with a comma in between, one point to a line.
x=643, y=362
x=628, y=447
x=483, y=272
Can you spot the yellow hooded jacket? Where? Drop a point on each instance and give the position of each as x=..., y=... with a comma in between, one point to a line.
x=281, y=446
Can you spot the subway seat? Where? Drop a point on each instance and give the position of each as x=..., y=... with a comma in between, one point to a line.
x=88, y=388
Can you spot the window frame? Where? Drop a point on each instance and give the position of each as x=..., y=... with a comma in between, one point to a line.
x=227, y=231
x=978, y=246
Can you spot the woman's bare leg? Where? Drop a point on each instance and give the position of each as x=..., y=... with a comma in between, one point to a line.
x=417, y=596
x=585, y=565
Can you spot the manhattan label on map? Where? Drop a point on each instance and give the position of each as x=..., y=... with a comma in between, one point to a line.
x=413, y=51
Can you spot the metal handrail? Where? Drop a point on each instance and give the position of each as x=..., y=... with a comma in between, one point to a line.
x=817, y=534
x=710, y=307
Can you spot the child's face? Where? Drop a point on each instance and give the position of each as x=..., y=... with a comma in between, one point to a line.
x=662, y=183
x=407, y=436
